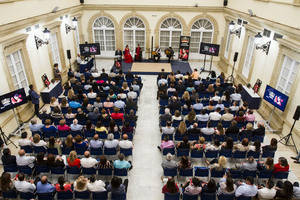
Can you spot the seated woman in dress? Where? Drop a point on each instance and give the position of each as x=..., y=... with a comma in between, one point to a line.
x=199, y=145
x=272, y=146
x=68, y=142
x=210, y=187
x=127, y=55
x=104, y=163
x=228, y=144
x=70, y=114
x=62, y=185
x=185, y=144
x=64, y=103
x=170, y=187
x=63, y=126
x=284, y=190
x=193, y=187
x=80, y=143
x=281, y=166
x=227, y=185
x=73, y=160
x=184, y=163
x=243, y=146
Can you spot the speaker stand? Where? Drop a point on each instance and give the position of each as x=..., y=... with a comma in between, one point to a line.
x=231, y=78
x=286, y=139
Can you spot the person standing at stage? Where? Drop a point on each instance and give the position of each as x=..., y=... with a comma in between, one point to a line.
x=138, y=53
x=35, y=99
x=157, y=53
x=118, y=53
x=57, y=73
x=169, y=53
x=127, y=55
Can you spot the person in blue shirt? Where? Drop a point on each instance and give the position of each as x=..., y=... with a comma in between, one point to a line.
x=121, y=163
x=43, y=186
x=74, y=104
x=35, y=99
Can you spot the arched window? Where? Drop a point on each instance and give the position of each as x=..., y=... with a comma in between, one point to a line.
x=170, y=31
x=202, y=31
x=134, y=33
x=104, y=33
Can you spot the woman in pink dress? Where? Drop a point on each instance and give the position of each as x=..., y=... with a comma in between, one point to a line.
x=127, y=55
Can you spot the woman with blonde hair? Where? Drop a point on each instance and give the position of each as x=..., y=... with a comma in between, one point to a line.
x=125, y=86
x=186, y=96
x=210, y=88
x=200, y=145
x=218, y=164
x=80, y=185
x=71, y=94
x=181, y=130
x=54, y=102
x=73, y=160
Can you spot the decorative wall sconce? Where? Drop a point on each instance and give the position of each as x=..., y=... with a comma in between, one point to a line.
x=233, y=30
x=258, y=43
x=39, y=42
x=69, y=28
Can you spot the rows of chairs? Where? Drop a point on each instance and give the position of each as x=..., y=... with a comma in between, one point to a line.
x=204, y=196
x=12, y=194
x=205, y=172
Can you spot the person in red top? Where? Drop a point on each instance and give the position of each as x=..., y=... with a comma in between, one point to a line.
x=281, y=166
x=61, y=186
x=117, y=115
x=63, y=126
x=73, y=160
x=240, y=117
x=127, y=55
x=170, y=187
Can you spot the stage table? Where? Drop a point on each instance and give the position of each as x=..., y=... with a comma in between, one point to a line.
x=54, y=90
x=86, y=65
x=253, y=99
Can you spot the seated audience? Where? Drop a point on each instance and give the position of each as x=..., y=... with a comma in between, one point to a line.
x=7, y=158
x=62, y=185
x=34, y=126
x=75, y=126
x=122, y=163
x=22, y=185
x=24, y=160
x=210, y=187
x=95, y=142
x=116, y=186
x=95, y=185
x=87, y=161
x=125, y=143
x=80, y=185
x=170, y=187
x=267, y=192
x=168, y=162
x=185, y=144
x=284, y=190
x=73, y=160
x=227, y=185
x=247, y=189
x=43, y=186
x=193, y=187
x=6, y=183
x=227, y=116
x=55, y=161
x=168, y=129
x=281, y=166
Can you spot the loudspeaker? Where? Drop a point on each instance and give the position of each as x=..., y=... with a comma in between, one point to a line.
x=225, y=2
x=235, y=56
x=69, y=54
x=81, y=1
x=297, y=113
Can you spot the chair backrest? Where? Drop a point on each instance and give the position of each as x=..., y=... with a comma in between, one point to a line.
x=239, y=154
x=126, y=152
x=82, y=195
x=189, y=197
x=169, y=196
x=11, y=194
x=226, y=153
x=120, y=172
x=80, y=150
x=186, y=172
x=89, y=171
x=96, y=152
x=25, y=169
x=281, y=175
x=73, y=170
x=26, y=195
x=27, y=149
x=65, y=195
x=243, y=198
x=168, y=150
x=99, y=195
x=52, y=151
x=45, y=196
x=118, y=196
x=196, y=154
x=10, y=168
x=247, y=173
x=254, y=154
x=170, y=172
x=41, y=169
x=110, y=151
x=265, y=174
x=105, y=172
x=226, y=197
x=57, y=170
x=208, y=196
x=235, y=173
x=211, y=154
x=183, y=152
x=217, y=173
x=266, y=154
x=37, y=150
x=201, y=171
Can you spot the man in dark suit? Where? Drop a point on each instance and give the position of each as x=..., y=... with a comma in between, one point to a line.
x=118, y=53
x=35, y=99
x=7, y=158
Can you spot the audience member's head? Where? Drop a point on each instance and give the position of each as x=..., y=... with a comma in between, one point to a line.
x=87, y=154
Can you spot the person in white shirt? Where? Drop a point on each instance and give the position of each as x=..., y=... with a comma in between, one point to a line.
x=95, y=185
x=111, y=142
x=37, y=142
x=198, y=105
x=96, y=143
x=119, y=103
x=78, y=59
x=132, y=93
x=296, y=190
x=22, y=185
x=168, y=129
x=91, y=94
x=216, y=97
x=24, y=141
x=34, y=126
x=234, y=106
x=162, y=80
x=215, y=116
x=135, y=86
x=236, y=96
x=267, y=192
x=87, y=161
x=203, y=116
x=247, y=189
x=250, y=165
x=23, y=160
x=75, y=126
x=227, y=116
x=209, y=130
x=125, y=143
x=220, y=105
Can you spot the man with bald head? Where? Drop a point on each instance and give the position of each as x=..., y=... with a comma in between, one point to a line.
x=87, y=161
x=23, y=160
x=125, y=143
x=43, y=186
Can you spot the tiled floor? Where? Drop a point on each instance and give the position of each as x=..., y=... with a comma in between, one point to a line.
x=144, y=178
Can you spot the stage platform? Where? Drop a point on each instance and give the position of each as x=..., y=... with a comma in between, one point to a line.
x=148, y=67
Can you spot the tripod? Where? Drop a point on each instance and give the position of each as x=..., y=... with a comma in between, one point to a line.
x=285, y=140
x=6, y=139
x=231, y=78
